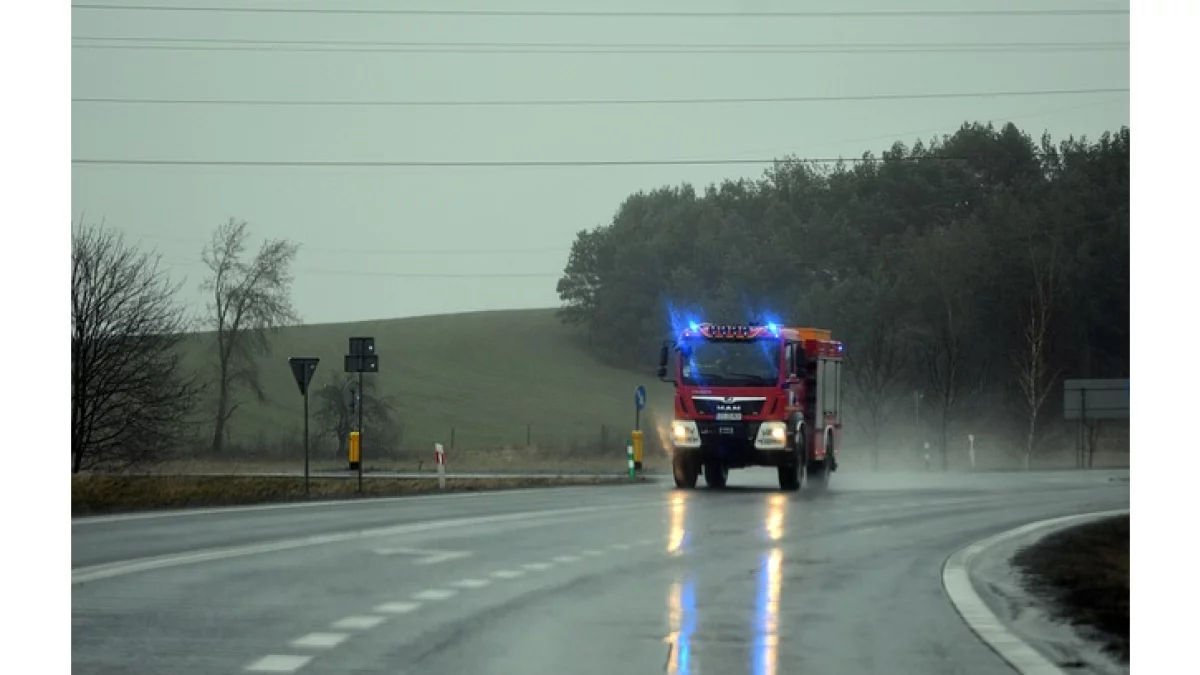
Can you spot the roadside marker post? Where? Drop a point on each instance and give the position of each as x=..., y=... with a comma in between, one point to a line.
x=629, y=454
x=439, y=458
x=971, y=449
x=303, y=368
x=639, y=402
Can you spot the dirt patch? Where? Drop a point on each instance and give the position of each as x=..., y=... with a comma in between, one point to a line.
x=91, y=495
x=1084, y=572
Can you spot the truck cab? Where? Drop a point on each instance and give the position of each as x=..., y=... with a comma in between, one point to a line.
x=753, y=395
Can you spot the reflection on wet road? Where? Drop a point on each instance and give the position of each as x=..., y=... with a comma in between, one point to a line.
x=751, y=581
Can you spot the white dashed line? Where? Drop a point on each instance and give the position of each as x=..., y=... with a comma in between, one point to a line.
x=508, y=574
x=538, y=567
x=591, y=552
x=279, y=663
x=435, y=594
x=620, y=547
x=645, y=542
x=566, y=559
x=398, y=607
x=321, y=640
x=472, y=583
x=359, y=622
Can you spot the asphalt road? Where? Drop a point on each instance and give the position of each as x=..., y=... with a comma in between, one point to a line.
x=632, y=579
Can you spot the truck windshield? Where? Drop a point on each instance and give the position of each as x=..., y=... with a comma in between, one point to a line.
x=730, y=364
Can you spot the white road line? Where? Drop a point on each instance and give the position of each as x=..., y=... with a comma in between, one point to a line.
x=591, y=552
x=508, y=574
x=279, y=663
x=358, y=622
x=537, y=567
x=956, y=580
x=472, y=583
x=620, y=547
x=645, y=542
x=400, y=607
x=566, y=559
x=110, y=570
x=321, y=640
x=435, y=594
x=96, y=520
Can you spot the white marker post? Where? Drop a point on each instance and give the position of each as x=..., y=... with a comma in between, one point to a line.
x=439, y=458
x=971, y=449
x=926, y=455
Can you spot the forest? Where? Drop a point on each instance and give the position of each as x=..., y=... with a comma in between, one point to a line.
x=968, y=276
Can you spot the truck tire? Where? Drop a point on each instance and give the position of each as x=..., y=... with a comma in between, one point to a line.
x=715, y=474
x=686, y=470
x=818, y=474
x=789, y=477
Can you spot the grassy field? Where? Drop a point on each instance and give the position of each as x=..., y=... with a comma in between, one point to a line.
x=1085, y=572
x=497, y=379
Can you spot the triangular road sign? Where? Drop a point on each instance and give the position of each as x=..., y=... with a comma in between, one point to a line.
x=303, y=368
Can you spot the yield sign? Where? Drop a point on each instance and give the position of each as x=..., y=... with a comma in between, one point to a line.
x=303, y=368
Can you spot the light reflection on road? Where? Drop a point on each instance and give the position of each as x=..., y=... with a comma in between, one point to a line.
x=681, y=618
x=677, y=536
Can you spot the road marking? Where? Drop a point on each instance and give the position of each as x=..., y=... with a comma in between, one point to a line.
x=397, y=607
x=321, y=640
x=97, y=520
x=435, y=594
x=359, y=622
x=110, y=570
x=645, y=542
x=566, y=559
x=471, y=583
x=591, y=552
x=279, y=663
x=508, y=574
x=620, y=547
x=537, y=567
x=425, y=557
x=956, y=580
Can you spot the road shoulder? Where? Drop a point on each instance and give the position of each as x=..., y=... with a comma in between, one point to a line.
x=988, y=593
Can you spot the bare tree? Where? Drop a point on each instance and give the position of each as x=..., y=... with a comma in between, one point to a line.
x=130, y=397
x=249, y=300
x=1029, y=362
x=336, y=414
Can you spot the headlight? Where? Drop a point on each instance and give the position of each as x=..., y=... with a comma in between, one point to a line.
x=771, y=436
x=685, y=434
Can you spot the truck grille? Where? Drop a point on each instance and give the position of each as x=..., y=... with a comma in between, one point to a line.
x=710, y=406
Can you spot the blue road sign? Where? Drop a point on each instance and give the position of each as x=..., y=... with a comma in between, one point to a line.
x=639, y=397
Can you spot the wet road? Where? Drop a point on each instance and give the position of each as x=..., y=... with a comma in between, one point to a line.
x=632, y=579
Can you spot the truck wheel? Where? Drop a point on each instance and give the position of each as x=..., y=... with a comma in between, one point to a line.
x=686, y=470
x=789, y=477
x=818, y=474
x=715, y=474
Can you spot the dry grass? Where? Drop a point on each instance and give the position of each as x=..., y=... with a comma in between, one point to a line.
x=1085, y=572
x=92, y=495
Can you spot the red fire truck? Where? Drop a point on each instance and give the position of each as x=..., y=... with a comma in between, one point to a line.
x=754, y=395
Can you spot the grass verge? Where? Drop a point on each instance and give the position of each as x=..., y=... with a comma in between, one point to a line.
x=94, y=495
x=1084, y=571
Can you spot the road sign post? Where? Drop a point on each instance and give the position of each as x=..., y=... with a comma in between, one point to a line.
x=361, y=359
x=303, y=368
x=1090, y=401
x=639, y=402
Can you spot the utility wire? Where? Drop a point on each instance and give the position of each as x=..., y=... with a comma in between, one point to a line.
x=844, y=14
x=352, y=46
x=597, y=102
x=91, y=161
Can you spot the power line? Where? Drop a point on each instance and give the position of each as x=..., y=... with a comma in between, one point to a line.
x=475, y=164
x=598, y=102
x=374, y=251
x=352, y=46
x=866, y=14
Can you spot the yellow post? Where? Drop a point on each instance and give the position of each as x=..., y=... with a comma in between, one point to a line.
x=637, y=450
x=354, y=450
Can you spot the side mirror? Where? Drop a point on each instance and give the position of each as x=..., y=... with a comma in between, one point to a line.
x=664, y=356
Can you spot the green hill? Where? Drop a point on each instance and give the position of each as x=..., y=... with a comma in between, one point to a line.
x=495, y=378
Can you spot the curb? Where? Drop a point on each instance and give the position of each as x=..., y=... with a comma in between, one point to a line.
x=956, y=581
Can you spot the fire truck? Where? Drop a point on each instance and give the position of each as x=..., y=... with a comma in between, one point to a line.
x=754, y=395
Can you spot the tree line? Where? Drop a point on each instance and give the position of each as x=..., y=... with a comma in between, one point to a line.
x=968, y=274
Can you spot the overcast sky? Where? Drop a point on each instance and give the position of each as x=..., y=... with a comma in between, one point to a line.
x=527, y=217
